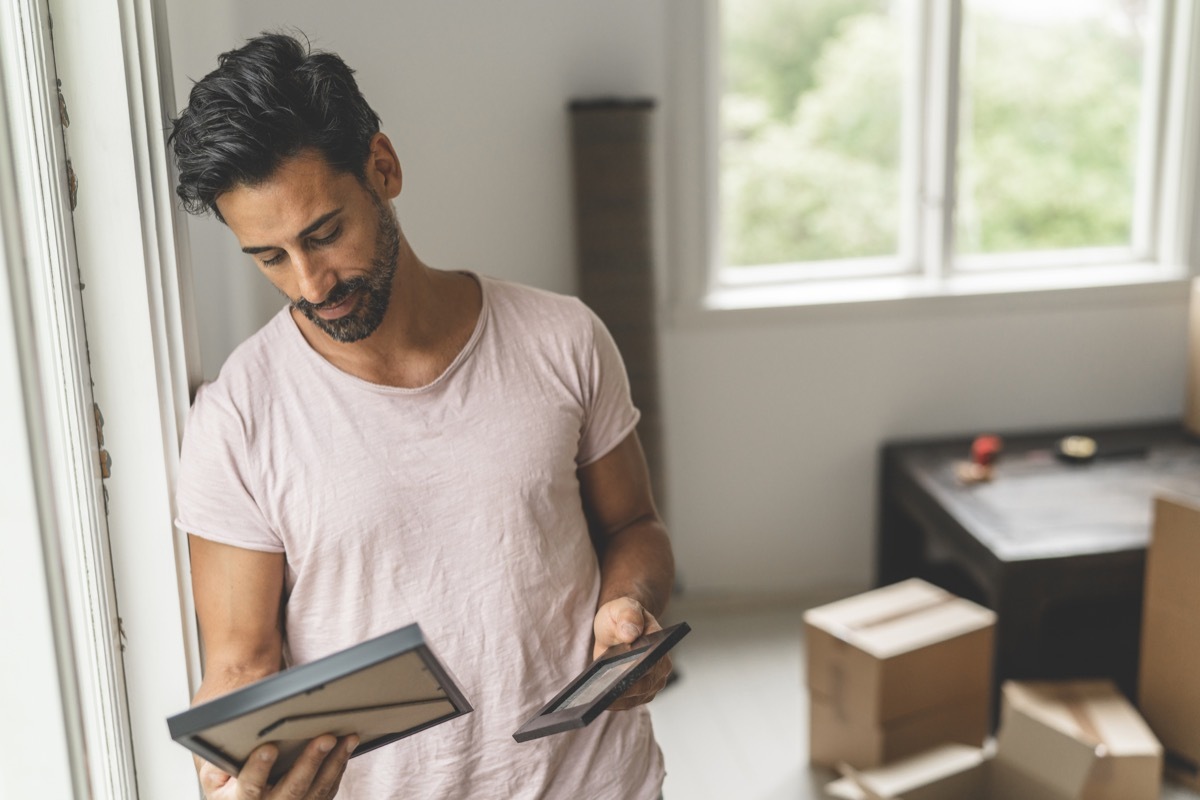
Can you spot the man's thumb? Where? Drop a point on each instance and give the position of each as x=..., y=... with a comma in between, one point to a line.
x=630, y=621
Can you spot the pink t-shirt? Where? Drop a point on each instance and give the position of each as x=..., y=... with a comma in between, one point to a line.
x=455, y=505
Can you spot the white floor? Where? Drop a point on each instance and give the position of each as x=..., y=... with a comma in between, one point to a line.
x=735, y=724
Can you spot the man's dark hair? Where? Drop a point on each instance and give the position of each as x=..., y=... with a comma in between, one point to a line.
x=265, y=102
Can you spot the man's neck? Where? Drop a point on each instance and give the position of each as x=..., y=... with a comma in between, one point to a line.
x=430, y=318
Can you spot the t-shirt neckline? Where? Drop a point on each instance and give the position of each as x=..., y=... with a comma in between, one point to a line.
x=336, y=373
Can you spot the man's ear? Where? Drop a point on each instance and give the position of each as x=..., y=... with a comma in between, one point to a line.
x=383, y=170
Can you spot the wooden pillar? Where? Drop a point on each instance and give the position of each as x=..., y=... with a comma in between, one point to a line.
x=611, y=145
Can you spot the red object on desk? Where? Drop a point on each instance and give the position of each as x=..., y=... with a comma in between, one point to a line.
x=986, y=449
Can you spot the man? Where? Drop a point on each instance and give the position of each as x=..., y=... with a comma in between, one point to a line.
x=404, y=444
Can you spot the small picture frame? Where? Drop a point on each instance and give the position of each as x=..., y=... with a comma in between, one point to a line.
x=598, y=686
x=381, y=690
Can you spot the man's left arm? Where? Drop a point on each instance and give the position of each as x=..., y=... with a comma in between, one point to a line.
x=637, y=567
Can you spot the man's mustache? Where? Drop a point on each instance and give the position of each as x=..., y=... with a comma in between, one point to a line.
x=336, y=295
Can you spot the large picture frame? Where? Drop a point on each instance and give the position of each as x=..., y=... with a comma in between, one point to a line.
x=381, y=690
x=598, y=686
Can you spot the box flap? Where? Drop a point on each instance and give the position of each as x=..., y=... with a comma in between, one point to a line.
x=1094, y=712
x=909, y=777
x=900, y=618
x=1038, y=737
x=953, y=618
x=850, y=788
x=871, y=607
x=1121, y=729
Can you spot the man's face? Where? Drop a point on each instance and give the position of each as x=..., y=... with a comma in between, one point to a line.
x=324, y=239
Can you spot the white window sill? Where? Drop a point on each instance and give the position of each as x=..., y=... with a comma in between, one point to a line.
x=911, y=295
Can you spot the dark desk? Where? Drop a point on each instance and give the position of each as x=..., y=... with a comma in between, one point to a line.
x=1057, y=550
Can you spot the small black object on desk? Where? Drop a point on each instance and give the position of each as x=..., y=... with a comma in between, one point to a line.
x=1056, y=547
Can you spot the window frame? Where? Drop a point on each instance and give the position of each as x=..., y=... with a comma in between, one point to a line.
x=117, y=592
x=82, y=547
x=43, y=750
x=1164, y=234
x=114, y=62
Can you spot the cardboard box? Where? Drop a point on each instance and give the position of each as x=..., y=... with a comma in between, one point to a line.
x=895, y=671
x=835, y=739
x=1169, y=673
x=1074, y=740
x=1191, y=405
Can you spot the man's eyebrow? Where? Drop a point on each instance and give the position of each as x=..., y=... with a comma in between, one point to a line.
x=317, y=223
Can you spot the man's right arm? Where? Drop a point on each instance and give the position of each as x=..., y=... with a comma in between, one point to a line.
x=238, y=595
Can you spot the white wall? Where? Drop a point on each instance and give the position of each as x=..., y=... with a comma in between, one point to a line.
x=473, y=96
x=773, y=419
x=773, y=428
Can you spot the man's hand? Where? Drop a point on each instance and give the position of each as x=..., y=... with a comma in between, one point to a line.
x=314, y=776
x=621, y=621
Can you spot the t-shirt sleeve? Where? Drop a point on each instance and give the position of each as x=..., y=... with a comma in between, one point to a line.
x=610, y=413
x=214, y=494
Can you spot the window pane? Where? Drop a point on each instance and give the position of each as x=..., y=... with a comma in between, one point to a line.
x=810, y=130
x=1048, y=123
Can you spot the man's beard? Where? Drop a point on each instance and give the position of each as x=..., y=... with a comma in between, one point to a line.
x=376, y=287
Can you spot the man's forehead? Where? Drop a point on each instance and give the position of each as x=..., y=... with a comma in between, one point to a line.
x=302, y=189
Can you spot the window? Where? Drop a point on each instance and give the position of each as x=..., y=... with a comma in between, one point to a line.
x=1048, y=141
x=810, y=131
x=881, y=148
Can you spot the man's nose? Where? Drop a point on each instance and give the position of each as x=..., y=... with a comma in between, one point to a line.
x=313, y=279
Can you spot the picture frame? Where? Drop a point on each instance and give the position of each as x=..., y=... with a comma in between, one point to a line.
x=382, y=690
x=599, y=686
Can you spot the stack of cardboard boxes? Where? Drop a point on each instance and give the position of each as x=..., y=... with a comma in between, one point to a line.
x=895, y=671
x=899, y=681
x=1074, y=740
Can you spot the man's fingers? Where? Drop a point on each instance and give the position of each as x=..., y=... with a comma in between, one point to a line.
x=330, y=775
x=654, y=680
x=621, y=621
x=252, y=780
x=212, y=778
x=627, y=702
x=628, y=621
x=299, y=779
x=646, y=687
x=633, y=699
